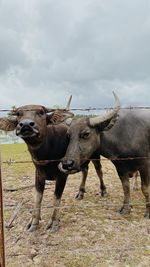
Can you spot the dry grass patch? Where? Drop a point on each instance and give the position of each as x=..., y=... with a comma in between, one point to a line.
x=92, y=233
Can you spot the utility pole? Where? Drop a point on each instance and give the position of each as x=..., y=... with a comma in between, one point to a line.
x=2, y=245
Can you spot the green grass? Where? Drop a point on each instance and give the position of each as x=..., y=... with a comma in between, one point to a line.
x=16, y=152
x=13, y=174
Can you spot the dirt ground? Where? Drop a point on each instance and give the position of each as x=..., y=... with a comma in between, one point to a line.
x=91, y=234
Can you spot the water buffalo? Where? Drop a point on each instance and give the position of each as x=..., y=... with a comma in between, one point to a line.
x=47, y=144
x=126, y=144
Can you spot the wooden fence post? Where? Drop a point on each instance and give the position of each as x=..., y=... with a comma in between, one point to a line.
x=2, y=245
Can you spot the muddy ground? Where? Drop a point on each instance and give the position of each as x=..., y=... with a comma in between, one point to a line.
x=91, y=234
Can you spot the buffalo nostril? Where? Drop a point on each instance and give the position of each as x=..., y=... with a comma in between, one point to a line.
x=68, y=164
x=27, y=123
x=32, y=123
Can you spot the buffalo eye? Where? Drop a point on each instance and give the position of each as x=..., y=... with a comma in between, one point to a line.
x=40, y=112
x=19, y=113
x=84, y=135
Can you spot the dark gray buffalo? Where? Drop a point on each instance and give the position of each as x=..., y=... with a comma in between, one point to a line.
x=126, y=144
x=47, y=144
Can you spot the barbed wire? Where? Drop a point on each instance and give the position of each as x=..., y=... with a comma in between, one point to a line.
x=107, y=108
x=86, y=108
x=78, y=251
x=10, y=162
x=84, y=206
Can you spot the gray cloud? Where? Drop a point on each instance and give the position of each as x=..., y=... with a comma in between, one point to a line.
x=51, y=49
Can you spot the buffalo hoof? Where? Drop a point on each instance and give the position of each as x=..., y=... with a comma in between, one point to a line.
x=79, y=196
x=31, y=227
x=102, y=193
x=53, y=226
x=125, y=210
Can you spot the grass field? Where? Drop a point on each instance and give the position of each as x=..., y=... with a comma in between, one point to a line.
x=92, y=233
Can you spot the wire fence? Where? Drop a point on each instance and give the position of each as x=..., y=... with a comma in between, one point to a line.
x=10, y=162
x=28, y=207
x=81, y=250
x=77, y=206
x=86, y=108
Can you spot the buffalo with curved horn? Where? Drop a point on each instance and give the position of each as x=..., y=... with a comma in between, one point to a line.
x=125, y=141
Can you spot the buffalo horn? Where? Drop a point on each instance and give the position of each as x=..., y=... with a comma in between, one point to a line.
x=48, y=110
x=68, y=104
x=108, y=116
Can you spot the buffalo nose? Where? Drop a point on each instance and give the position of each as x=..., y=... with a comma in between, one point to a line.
x=24, y=123
x=68, y=164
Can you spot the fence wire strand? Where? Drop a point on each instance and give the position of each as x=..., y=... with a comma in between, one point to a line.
x=81, y=250
x=10, y=162
x=87, y=108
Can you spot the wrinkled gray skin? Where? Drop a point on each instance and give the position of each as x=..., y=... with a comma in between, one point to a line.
x=128, y=138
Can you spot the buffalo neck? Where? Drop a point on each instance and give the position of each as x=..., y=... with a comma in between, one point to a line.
x=52, y=146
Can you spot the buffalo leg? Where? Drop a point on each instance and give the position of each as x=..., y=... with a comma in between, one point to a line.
x=81, y=192
x=36, y=214
x=98, y=168
x=53, y=224
x=126, y=208
x=145, y=187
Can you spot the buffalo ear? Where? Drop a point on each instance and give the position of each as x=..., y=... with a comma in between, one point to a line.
x=106, y=124
x=59, y=116
x=8, y=124
x=111, y=123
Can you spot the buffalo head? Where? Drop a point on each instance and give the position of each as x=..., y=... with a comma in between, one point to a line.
x=84, y=136
x=30, y=121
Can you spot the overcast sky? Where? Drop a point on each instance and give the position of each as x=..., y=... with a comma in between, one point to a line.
x=50, y=49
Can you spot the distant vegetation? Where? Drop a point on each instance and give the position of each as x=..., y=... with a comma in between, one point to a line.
x=9, y=138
